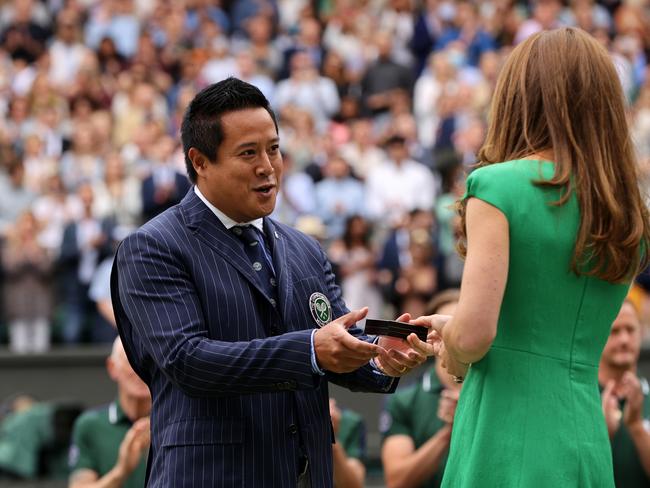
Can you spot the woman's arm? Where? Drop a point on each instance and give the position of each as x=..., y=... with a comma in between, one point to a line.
x=469, y=334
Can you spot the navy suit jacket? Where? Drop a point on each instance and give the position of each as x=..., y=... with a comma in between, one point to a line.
x=230, y=373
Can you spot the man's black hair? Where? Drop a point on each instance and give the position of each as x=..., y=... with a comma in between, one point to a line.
x=201, y=127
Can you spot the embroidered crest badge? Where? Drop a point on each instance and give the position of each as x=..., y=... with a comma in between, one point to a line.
x=320, y=309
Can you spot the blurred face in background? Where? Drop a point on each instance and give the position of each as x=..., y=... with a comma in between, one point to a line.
x=337, y=168
x=128, y=382
x=624, y=343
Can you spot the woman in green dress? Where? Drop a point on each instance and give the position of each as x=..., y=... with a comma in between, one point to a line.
x=556, y=229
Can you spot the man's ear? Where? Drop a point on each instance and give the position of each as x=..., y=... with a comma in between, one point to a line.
x=199, y=160
x=111, y=367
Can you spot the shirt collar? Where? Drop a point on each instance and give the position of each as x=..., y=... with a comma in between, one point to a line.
x=227, y=222
x=115, y=413
x=431, y=382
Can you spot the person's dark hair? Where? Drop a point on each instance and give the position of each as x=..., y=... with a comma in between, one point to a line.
x=439, y=300
x=201, y=127
x=347, y=233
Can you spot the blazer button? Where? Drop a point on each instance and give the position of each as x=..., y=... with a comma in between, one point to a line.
x=293, y=429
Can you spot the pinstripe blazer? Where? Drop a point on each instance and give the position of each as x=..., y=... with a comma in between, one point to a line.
x=230, y=373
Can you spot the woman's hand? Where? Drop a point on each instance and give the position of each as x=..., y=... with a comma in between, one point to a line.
x=437, y=324
x=455, y=368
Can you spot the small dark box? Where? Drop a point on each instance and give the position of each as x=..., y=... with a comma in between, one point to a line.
x=393, y=328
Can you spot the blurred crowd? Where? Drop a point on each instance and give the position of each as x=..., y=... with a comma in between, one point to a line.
x=382, y=107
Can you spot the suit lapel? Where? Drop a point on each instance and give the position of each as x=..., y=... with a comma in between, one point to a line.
x=207, y=227
x=278, y=243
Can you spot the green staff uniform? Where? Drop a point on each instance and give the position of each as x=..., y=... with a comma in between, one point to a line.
x=352, y=434
x=96, y=442
x=413, y=412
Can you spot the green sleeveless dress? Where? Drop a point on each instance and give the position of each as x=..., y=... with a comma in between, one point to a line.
x=529, y=414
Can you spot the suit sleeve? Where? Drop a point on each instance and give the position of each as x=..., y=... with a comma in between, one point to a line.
x=158, y=311
x=366, y=378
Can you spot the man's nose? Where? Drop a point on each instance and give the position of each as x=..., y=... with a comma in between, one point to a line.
x=264, y=167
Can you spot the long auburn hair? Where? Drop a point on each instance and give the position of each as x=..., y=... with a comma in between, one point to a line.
x=559, y=91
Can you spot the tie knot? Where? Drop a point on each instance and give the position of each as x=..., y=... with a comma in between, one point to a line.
x=246, y=233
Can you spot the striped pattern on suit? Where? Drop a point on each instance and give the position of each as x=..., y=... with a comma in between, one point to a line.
x=232, y=395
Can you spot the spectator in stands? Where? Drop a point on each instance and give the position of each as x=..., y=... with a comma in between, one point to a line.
x=85, y=242
x=338, y=197
x=115, y=19
x=383, y=77
x=54, y=209
x=38, y=166
x=467, y=28
x=81, y=162
x=626, y=402
x=307, y=41
x=117, y=195
x=362, y=151
x=349, y=447
x=395, y=254
x=398, y=185
x=299, y=138
x=110, y=443
x=418, y=280
x=66, y=52
x=267, y=56
x=307, y=89
x=247, y=70
x=28, y=269
x=545, y=16
x=417, y=422
x=438, y=81
x=355, y=262
x=14, y=197
x=24, y=37
x=165, y=186
x=451, y=265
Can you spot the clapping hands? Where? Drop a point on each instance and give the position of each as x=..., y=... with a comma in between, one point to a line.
x=628, y=389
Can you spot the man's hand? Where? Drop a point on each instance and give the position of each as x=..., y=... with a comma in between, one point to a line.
x=135, y=443
x=339, y=351
x=400, y=356
x=631, y=391
x=447, y=405
x=610, y=408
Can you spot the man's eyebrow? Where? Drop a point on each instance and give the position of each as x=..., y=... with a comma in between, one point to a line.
x=246, y=145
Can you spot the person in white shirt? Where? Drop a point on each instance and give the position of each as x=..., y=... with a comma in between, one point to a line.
x=398, y=185
x=66, y=52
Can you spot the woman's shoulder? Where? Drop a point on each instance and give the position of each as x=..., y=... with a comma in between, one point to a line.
x=516, y=168
x=516, y=174
x=505, y=184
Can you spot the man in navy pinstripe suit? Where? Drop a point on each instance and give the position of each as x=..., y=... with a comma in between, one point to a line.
x=226, y=315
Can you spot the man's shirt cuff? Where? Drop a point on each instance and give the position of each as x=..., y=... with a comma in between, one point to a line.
x=314, y=364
